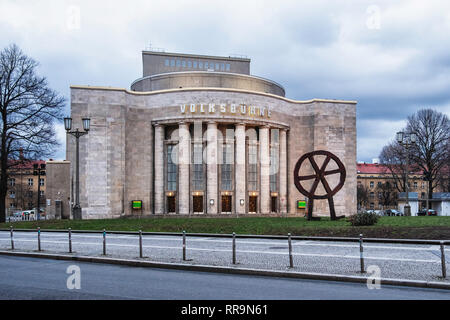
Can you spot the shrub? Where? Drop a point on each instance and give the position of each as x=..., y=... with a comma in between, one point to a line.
x=363, y=219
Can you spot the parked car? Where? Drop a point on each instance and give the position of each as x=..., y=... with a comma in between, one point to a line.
x=392, y=212
x=427, y=212
x=28, y=215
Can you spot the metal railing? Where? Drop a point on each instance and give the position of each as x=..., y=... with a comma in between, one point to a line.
x=361, y=240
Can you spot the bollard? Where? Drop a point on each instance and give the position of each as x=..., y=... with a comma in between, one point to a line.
x=104, y=242
x=39, y=238
x=361, y=253
x=184, y=245
x=234, y=248
x=140, y=243
x=444, y=268
x=12, y=238
x=291, y=262
x=70, y=240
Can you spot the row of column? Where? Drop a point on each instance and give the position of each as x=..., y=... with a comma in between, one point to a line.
x=184, y=154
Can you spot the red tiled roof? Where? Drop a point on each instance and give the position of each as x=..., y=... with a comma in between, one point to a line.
x=377, y=168
x=25, y=164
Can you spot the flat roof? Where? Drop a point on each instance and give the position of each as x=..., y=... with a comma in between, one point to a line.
x=173, y=54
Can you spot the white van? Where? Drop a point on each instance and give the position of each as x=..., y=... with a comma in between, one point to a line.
x=28, y=215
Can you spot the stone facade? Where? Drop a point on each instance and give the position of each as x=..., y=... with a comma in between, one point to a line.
x=125, y=155
x=58, y=190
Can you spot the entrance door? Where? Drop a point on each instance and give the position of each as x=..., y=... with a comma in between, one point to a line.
x=171, y=204
x=274, y=204
x=252, y=204
x=197, y=203
x=226, y=204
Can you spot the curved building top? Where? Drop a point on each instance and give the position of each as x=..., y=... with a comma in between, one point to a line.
x=163, y=70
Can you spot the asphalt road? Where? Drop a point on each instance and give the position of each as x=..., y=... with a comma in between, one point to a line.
x=396, y=261
x=34, y=278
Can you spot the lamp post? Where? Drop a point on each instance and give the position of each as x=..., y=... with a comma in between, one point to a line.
x=406, y=140
x=76, y=209
x=39, y=171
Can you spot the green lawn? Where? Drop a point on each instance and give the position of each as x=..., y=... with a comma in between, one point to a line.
x=388, y=227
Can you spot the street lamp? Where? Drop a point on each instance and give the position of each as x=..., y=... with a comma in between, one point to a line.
x=39, y=171
x=76, y=209
x=407, y=140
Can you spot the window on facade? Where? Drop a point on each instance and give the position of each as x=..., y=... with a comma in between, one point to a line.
x=200, y=65
x=12, y=182
x=12, y=194
x=195, y=64
x=12, y=205
x=171, y=168
x=42, y=193
x=415, y=184
x=30, y=181
x=372, y=205
x=30, y=194
x=178, y=63
x=372, y=195
x=206, y=65
x=197, y=167
x=228, y=67
x=183, y=64
x=222, y=67
x=41, y=182
x=371, y=184
x=167, y=63
x=226, y=170
x=274, y=159
x=217, y=66
x=252, y=167
x=189, y=64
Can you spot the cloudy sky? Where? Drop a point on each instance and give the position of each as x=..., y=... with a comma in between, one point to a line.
x=393, y=57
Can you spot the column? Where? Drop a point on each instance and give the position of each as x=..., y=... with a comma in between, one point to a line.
x=264, y=156
x=211, y=161
x=184, y=156
x=239, y=169
x=283, y=172
x=159, y=169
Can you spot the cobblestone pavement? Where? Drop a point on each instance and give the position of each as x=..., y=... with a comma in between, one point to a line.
x=396, y=261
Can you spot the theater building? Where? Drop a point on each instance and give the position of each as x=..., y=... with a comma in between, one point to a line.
x=199, y=135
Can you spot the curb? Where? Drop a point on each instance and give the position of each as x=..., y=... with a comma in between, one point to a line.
x=229, y=270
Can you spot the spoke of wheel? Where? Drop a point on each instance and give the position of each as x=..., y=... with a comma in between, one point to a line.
x=312, y=176
x=332, y=172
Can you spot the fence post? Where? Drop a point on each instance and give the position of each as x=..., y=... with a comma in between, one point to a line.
x=184, y=245
x=140, y=243
x=361, y=253
x=234, y=248
x=12, y=238
x=444, y=268
x=104, y=242
x=70, y=240
x=291, y=262
x=39, y=238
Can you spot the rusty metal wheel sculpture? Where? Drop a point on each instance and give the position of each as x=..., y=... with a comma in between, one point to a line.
x=319, y=176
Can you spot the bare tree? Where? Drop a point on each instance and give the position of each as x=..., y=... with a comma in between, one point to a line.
x=393, y=157
x=387, y=194
x=28, y=109
x=362, y=196
x=431, y=152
